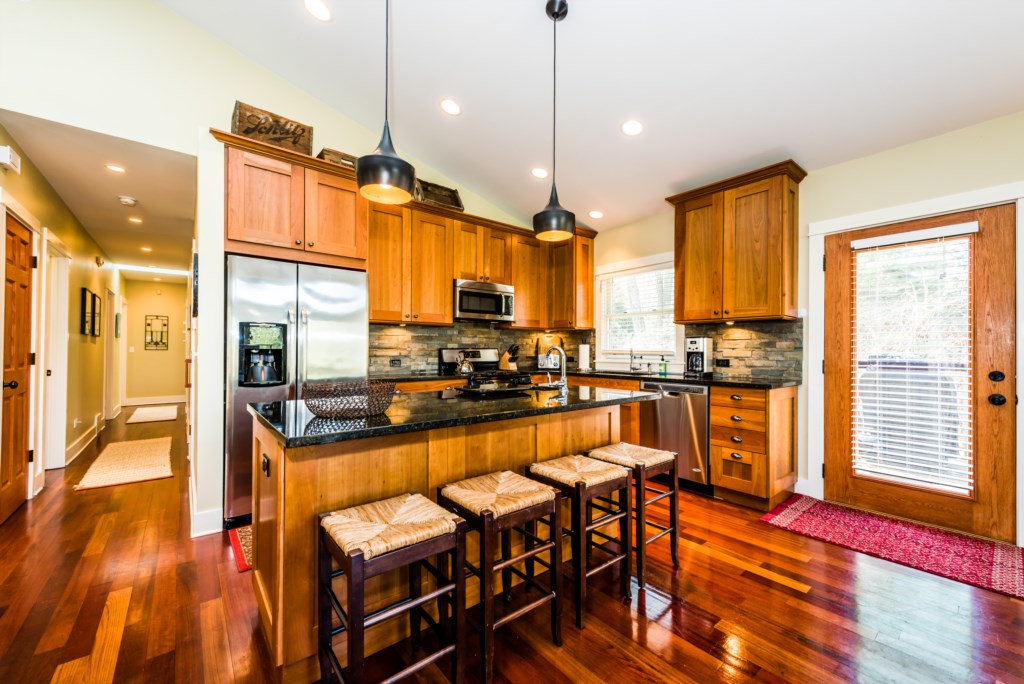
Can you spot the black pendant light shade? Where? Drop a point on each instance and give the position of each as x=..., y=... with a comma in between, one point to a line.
x=383, y=176
x=554, y=223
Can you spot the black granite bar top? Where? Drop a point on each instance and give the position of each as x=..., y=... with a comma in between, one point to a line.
x=297, y=426
x=721, y=380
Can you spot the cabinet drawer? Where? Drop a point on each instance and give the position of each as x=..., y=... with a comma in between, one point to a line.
x=728, y=437
x=740, y=471
x=739, y=397
x=742, y=418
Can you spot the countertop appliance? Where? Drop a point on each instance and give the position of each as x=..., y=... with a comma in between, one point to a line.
x=482, y=301
x=698, y=357
x=287, y=324
x=679, y=422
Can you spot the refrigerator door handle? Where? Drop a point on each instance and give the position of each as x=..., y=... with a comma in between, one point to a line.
x=304, y=318
x=291, y=316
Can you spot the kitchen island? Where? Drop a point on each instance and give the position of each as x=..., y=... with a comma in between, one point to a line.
x=306, y=465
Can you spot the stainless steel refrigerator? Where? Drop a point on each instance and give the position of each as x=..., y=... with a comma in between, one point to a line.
x=287, y=324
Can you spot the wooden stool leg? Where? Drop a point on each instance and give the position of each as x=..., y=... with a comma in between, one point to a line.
x=640, y=476
x=457, y=568
x=531, y=529
x=356, y=618
x=415, y=590
x=673, y=507
x=625, y=525
x=579, y=552
x=487, y=596
x=324, y=609
x=506, y=573
x=556, y=572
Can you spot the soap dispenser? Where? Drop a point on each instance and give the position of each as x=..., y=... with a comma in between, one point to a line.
x=663, y=366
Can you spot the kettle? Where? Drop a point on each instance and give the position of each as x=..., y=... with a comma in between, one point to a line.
x=465, y=365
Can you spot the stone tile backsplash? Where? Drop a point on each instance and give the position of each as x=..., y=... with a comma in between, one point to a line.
x=772, y=349
x=416, y=345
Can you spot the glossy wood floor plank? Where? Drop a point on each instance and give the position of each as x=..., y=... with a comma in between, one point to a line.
x=108, y=581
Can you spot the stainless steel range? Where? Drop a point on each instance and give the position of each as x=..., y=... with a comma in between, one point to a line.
x=486, y=379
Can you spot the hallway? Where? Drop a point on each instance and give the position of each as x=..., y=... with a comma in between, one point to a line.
x=106, y=585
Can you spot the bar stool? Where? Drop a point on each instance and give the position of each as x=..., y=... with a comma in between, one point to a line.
x=588, y=483
x=494, y=505
x=368, y=540
x=644, y=463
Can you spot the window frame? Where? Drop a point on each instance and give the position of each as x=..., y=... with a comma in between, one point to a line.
x=617, y=271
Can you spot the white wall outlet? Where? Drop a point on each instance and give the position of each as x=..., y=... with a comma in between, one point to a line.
x=9, y=159
x=75, y=423
x=131, y=349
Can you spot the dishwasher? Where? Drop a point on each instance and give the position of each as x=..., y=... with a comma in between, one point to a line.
x=679, y=422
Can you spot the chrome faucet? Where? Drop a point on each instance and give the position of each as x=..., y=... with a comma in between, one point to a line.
x=561, y=381
x=634, y=368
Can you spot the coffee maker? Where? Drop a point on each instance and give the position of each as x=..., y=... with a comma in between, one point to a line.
x=698, y=357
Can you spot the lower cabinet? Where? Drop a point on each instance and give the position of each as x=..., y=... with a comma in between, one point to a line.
x=753, y=445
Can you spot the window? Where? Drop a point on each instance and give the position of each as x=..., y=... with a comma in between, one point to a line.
x=636, y=312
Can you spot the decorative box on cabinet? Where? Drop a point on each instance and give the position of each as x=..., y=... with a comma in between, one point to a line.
x=736, y=247
x=753, y=445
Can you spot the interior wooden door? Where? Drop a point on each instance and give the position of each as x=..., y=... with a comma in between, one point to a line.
x=386, y=263
x=430, y=254
x=17, y=339
x=752, y=250
x=920, y=370
x=264, y=200
x=698, y=282
x=336, y=216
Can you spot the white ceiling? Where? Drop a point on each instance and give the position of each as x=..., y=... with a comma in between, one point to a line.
x=722, y=86
x=73, y=160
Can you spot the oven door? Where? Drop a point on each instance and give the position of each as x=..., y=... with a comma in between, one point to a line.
x=483, y=301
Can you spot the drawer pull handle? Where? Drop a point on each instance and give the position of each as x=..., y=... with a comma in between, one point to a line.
x=737, y=397
x=738, y=440
x=736, y=418
x=265, y=466
x=735, y=455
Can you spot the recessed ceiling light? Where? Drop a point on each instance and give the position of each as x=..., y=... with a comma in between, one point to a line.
x=319, y=9
x=596, y=214
x=157, y=278
x=115, y=168
x=539, y=172
x=450, y=106
x=135, y=219
x=632, y=127
x=147, y=249
x=127, y=200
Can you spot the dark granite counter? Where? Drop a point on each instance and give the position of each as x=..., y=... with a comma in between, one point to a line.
x=297, y=426
x=750, y=381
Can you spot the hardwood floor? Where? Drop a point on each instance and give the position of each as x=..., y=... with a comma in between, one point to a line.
x=106, y=585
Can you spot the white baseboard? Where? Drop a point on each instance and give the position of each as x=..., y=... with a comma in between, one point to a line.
x=203, y=522
x=811, y=488
x=79, y=445
x=146, y=401
x=117, y=412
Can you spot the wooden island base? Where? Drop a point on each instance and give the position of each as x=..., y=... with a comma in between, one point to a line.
x=292, y=486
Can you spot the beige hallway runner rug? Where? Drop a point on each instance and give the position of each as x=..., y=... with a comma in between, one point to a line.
x=154, y=414
x=124, y=462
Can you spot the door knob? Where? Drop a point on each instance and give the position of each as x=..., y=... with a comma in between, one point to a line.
x=13, y=384
x=310, y=243
x=298, y=242
x=716, y=312
x=415, y=315
x=997, y=376
x=996, y=399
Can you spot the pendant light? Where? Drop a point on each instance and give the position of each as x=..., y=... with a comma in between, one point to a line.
x=383, y=176
x=554, y=223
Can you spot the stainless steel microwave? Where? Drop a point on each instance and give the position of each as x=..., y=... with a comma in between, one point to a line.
x=479, y=301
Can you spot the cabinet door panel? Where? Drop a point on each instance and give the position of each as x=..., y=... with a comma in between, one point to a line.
x=497, y=261
x=468, y=257
x=563, y=284
x=264, y=200
x=385, y=270
x=335, y=216
x=698, y=281
x=752, y=241
x=529, y=279
x=584, y=283
x=430, y=256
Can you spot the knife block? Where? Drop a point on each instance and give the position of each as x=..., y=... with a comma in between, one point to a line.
x=506, y=363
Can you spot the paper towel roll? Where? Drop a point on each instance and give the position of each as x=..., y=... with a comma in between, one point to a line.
x=584, y=363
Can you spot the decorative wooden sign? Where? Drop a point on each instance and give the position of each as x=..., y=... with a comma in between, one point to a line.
x=432, y=193
x=336, y=157
x=274, y=129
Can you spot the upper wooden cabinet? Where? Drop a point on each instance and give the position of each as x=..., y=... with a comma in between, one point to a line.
x=282, y=209
x=529, y=268
x=409, y=266
x=482, y=253
x=571, y=265
x=736, y=241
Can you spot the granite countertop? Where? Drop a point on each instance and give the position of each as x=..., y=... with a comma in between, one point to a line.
x=749, y=381
x=298, y=427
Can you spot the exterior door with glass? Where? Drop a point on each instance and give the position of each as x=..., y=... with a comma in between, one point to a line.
x=920, y=370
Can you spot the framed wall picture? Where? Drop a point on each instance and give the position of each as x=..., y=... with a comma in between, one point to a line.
x=87, y=304
x=156, y=333
x=97, y=310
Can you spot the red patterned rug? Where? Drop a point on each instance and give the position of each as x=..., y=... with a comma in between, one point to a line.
x=980, y=562
x=241, y=545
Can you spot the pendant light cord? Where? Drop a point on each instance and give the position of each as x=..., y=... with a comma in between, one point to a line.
x=554, y=102
x=387, y=55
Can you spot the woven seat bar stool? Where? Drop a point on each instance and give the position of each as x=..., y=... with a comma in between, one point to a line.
x=496, y=505
x=588, y=484
x=368, y=540
x=644, y=463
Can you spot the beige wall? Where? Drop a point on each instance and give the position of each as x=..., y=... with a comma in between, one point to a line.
x=154, y=374
x=647, y=237
x=85, y=353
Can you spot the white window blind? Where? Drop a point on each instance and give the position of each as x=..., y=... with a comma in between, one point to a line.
x=636, y=312
x=912, y=323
